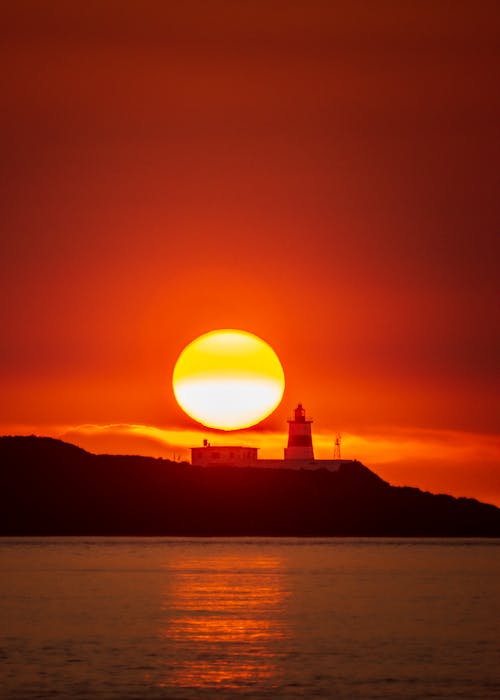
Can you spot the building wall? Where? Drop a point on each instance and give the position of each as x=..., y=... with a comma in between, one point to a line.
x=333, y=465
x=303, y=454
x=224, y=455
x=237, y=456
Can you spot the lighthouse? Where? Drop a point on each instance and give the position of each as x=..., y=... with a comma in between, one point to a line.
x=299, y=436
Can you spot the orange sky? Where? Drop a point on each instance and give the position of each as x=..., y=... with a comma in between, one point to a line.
x=321, y=174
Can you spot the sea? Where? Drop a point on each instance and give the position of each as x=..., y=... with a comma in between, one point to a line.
x=150, y=618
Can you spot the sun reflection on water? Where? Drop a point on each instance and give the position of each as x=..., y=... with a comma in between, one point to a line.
x=224, y=617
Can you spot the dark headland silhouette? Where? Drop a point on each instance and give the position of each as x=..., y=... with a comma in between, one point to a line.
x=49, y=487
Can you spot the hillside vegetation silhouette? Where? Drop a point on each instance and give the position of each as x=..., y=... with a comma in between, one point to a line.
x=49, y=487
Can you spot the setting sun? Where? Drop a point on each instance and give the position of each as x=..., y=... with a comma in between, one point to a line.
x=228, y=379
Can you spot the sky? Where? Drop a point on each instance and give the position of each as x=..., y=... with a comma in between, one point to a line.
x=322, y=174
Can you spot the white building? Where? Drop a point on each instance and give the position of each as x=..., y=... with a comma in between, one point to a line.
x=223, y=456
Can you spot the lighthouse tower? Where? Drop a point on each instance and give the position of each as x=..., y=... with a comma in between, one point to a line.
x=299, y=437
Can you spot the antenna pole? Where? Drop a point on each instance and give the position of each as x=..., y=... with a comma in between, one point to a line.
x=336, y=450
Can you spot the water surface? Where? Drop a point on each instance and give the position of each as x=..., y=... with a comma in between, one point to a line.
x=257, y=618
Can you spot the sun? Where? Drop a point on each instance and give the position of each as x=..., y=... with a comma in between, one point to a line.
x=228, y=379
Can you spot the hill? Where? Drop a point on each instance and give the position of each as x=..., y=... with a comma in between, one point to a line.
x=48, y=487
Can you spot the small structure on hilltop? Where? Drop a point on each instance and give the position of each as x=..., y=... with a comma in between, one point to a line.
x=299, y=453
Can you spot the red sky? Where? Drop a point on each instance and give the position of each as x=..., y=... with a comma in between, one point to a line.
x=322, y=174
